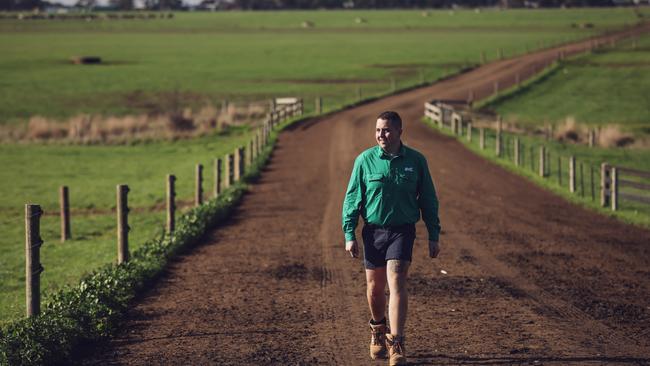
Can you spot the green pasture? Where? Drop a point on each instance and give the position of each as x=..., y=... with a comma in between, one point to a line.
x=33, y=173
x=588, y=161
x=609, y=86
x=199, y=58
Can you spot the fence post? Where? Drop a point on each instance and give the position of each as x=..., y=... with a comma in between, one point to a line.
x=122, y=224
x=228, y=170
x=582, y=181
x=217, y=177
x=237, y=164
x=572, y=174
x=614, y=196
x=198, y=191
x=171, y=203
x=592, y=137
x=542, y=161
x=319, y=105
x=33, y=267
x=65, y=213
x=481, y=138
x=242, y=165
x=469, y=131
x=516, y=152
x=604, y=185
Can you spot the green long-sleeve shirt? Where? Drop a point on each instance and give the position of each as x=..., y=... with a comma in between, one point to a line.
x=387, y=190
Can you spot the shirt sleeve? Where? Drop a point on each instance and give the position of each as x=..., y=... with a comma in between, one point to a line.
x=353, y=200
x=428, y=202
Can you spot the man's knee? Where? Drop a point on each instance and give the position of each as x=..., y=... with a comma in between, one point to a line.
x=398, y=267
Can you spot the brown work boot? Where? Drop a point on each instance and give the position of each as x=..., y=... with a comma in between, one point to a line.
x=378, y=341
x=396, y=352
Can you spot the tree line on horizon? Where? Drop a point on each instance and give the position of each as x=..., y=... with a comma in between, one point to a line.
x=13, y=5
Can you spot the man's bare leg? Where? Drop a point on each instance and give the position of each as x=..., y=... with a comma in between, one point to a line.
x=398, y=304
x=376, y=292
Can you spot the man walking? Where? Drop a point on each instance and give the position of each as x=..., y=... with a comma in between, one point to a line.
x=390, y=186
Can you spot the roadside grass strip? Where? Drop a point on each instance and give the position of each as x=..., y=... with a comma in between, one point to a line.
x=588, y=171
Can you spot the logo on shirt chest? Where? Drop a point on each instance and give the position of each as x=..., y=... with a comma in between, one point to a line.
x=409, y=169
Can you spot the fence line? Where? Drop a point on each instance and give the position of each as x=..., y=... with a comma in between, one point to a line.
x=616, y=183
x=234, y=167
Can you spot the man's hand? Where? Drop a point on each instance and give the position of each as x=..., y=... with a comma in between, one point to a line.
x=352, y=247
x=434, y=249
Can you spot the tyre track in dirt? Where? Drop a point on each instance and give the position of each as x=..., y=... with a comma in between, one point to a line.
x=530, y=277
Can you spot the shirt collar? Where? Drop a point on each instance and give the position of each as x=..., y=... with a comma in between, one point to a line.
x=382, y=154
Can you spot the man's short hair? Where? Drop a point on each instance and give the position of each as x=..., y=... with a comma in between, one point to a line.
x=392, y=117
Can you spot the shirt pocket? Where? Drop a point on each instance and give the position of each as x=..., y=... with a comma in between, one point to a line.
x=374, y=181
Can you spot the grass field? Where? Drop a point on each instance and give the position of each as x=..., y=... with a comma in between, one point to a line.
x=249, y=55
x=207, y=57
x=32, y=174
x=610, y=86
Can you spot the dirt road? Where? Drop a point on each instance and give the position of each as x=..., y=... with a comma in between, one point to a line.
x=530, y=278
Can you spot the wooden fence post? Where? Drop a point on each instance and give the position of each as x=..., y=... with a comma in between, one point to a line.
x=542, y=161
x=582, y=181
x=516, y=152
x=481, y=138
x=217, y=178
x=171, y=203
x=228, y=170
x=33, y=267
x=469, y=131
x=614, y=188
x=572, y=174
x=242, y=165
x=604, y=185
x=64, y=199
x=237, y=165
x=198, y=185
x=122, y=224
x=592, y=137
x=319, y=105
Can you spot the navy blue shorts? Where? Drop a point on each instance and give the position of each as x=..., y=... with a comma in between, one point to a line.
x=383, y=243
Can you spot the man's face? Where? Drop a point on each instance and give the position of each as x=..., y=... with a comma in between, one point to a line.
x=387, y=136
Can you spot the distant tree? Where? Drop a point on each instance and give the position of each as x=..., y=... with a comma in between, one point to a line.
x=122, y=4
